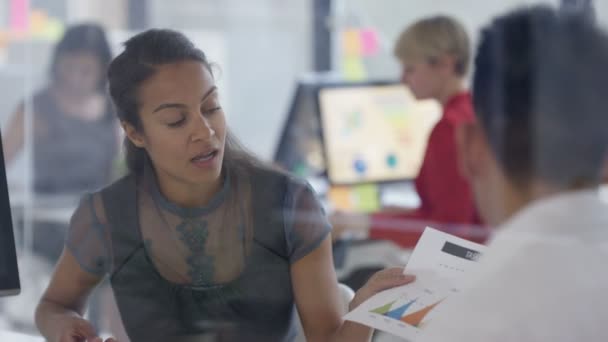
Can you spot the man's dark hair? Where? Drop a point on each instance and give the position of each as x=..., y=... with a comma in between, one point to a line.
x=540, y=93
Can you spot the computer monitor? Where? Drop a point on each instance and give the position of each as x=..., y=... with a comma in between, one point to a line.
x=9, y=272
x=299, y=149
x=374, y=132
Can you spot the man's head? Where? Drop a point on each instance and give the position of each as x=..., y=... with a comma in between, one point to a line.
x=539, y=91
x=433, y=52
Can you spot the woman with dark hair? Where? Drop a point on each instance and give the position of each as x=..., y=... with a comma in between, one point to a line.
x=73, y=122
x=74, y=132
x=201, y=238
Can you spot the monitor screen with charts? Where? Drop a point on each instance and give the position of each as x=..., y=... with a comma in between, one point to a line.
x=374, y=132
x=9, y=274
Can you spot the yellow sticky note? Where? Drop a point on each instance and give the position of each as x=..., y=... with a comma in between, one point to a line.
x=340, y=197
x=367, y=197
x=354, y=69
x=351, y=43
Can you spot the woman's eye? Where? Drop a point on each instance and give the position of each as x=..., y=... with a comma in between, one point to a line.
x=177, y=123
x=211, y=110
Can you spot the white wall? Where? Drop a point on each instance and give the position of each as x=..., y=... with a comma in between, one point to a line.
x=267, y=45
x=112, y=13
x=390, y=17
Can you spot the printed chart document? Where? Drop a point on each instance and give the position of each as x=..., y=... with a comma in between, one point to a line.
x=440, y=262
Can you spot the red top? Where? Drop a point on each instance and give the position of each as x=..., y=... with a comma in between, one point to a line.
x=445, y=194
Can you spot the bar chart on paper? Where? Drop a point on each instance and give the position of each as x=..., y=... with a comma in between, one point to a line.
x=401, y=312
x=439, y=262
x=398, y=311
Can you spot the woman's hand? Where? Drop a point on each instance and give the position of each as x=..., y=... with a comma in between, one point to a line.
x=380, y=281
x=74, y=328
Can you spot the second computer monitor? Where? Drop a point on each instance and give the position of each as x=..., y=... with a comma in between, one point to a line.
x=374, y=132
x=9, y=270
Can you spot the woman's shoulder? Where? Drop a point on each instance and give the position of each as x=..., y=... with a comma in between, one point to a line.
x=268, y=173
x=124, y=182
x=119, y=190
x=42, y=99
x=39, y=100
x=289, y=189
x=111, y=199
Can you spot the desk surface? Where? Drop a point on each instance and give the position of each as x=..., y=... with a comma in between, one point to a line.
x=373, y=253
x=45, y=208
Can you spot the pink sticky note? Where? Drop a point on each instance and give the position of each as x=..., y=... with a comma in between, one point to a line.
x=19, y=15
x=369, y=42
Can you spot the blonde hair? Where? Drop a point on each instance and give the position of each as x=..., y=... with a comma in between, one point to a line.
x=433, y=37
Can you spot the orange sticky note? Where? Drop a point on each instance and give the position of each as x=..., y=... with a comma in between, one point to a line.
x=351, y=40
x=340, y=197
x=38, y=20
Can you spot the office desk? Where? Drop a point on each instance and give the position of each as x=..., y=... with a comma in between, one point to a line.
x=28, y=208
x=364, y=258
x=47, y=208
x=372, y=253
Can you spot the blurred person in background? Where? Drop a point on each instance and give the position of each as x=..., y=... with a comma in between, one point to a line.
x=434, y=53
x=75, y=135
x=535, y=161
x=200, y=238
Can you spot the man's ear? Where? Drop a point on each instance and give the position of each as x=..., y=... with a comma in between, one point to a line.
x=133, y=134
x=472, y=150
